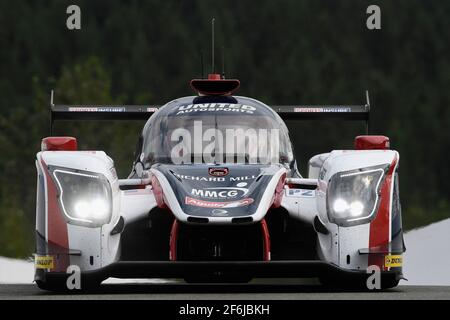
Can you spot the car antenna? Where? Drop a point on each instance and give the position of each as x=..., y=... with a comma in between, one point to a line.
x=212, y=46
x=368, y=116
x=367, y=99
x=223, y=62
x=201, y=64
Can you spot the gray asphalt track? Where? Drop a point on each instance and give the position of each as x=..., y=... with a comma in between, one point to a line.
x=181, y=291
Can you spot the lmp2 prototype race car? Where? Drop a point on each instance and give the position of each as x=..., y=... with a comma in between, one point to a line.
x=215, y=196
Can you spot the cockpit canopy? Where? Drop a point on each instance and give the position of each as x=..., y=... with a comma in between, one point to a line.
x=215, y=130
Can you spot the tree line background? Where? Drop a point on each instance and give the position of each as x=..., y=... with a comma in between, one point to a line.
x=284, y=52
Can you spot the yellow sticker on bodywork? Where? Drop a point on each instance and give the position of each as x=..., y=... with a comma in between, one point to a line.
x=392, y=261
x=43, y=262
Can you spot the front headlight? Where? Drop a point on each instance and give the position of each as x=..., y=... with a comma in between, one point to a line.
x=85, y=197
x=352, y=196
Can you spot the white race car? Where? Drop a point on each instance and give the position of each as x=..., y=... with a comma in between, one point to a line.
x=215, y=196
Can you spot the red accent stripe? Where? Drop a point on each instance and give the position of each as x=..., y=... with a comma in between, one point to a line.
x=58, y=239
x=158, y=193
x=173, y=240
x=266, y=240
x=379, y=227
x=279, y=192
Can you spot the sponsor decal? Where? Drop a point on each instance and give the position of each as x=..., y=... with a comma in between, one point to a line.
x=300, y=193
x=220, y=192
x=79, y=109
x=152, y=109
x=214, y=179
x=243, y=178
x=213, y=107
x=392, y=261
x=112, y=109
x=197, y=178
x=219, y=213
x=97, y=109
x=216, y=204
x=43, y=262
x=218, y=172
x=134, y=192
x=322, y=109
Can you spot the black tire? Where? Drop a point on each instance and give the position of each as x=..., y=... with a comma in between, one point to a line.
x=54, y=286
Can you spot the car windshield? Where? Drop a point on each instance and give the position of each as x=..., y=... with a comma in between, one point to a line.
x=225, y=133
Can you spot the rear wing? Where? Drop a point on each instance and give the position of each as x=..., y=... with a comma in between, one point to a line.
x=344, y=112
x=143, y=112
x=99, y=112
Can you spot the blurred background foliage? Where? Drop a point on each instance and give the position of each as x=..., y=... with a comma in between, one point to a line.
x=284, y=52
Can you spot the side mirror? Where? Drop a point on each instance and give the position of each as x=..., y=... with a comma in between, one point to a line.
x=139, y=169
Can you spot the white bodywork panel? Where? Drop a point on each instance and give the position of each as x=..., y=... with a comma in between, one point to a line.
x=351, y=239
x=131, y=205
x=88, y=242
x=348, y=239
x=315, y=164
x=302, y=204
x=340, y=242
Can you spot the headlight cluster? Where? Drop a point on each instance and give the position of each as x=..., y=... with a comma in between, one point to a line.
x=85, y=197
x=352, y=196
